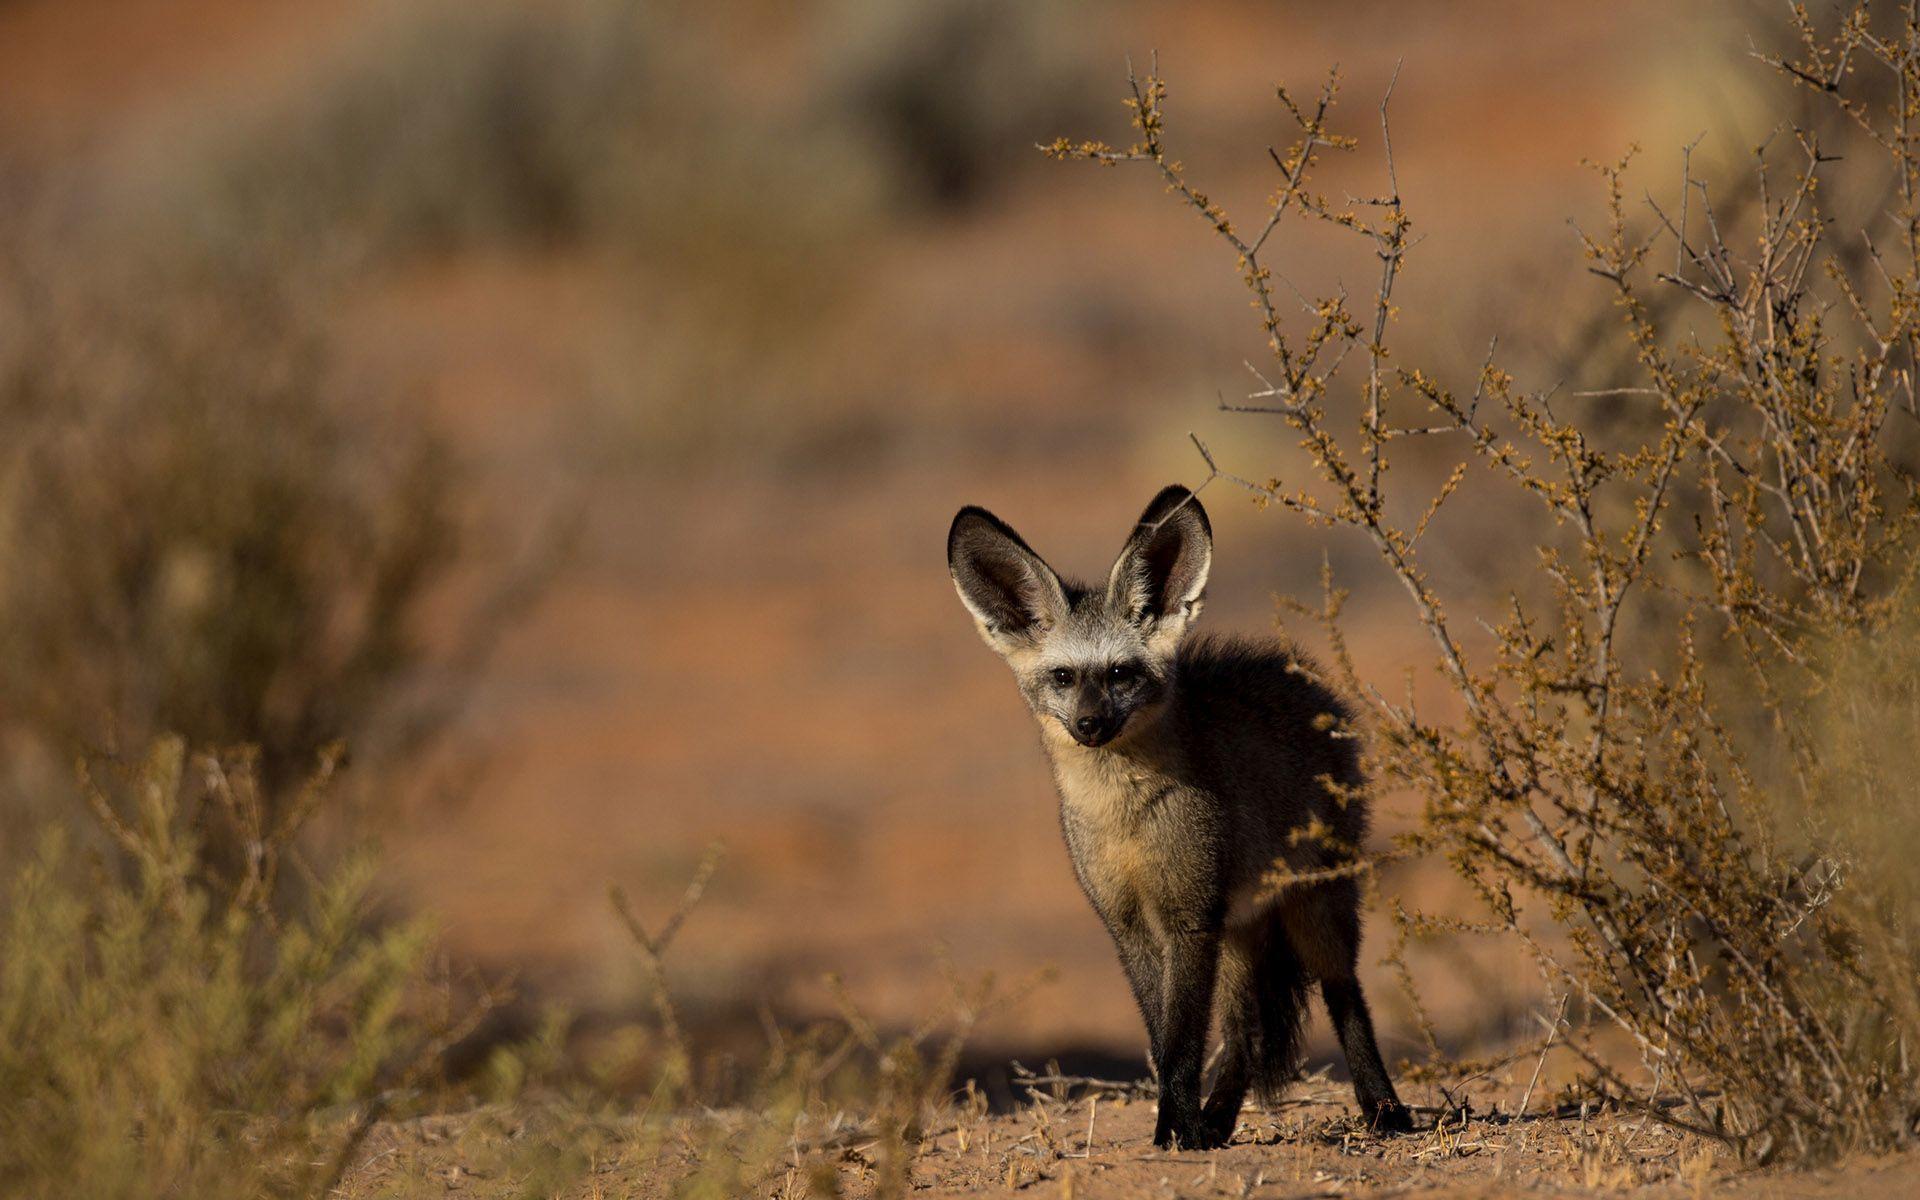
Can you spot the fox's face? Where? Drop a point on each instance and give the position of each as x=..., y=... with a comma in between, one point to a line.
x=1093, y=661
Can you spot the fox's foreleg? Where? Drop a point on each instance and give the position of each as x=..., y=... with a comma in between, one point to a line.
x=1144, y=961
x=1192, y=959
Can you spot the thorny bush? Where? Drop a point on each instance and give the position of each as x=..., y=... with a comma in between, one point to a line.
x=1680, y=765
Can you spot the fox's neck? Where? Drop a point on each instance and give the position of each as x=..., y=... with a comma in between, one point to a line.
x=1106, y=790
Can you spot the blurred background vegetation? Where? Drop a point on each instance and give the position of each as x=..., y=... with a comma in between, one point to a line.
x=563, y=404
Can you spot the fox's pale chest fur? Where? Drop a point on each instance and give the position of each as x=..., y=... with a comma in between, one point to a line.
x=1128, y=822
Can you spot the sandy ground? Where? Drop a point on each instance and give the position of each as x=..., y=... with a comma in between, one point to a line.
x=1310, y=1145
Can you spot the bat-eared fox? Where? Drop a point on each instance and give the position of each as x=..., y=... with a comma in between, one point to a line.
x=1190, y=767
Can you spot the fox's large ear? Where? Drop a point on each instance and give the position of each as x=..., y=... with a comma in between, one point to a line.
x=1160, y=579
x=1013, y=594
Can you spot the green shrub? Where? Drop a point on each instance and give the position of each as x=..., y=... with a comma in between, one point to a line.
x=165, y=1031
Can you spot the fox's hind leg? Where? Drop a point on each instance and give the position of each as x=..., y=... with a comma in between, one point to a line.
x=1262, y=990
x=1323, y=924
x=1347, y=1006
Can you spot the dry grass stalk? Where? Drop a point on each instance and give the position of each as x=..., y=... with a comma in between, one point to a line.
x=830, y=1098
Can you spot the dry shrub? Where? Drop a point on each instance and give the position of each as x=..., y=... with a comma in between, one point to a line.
x=205, y=526
x=165, y=1031
x=948, y=92
x=428, y=129
x=196, y=535
x=630, y=137
x=1676, y=770
x=442, y=126
x=678, y=148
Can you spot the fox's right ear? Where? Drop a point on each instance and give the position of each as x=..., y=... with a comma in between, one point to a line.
x=1013, y=594
x=1160, y=578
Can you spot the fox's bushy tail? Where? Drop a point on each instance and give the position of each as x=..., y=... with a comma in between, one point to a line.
x=1279, y=986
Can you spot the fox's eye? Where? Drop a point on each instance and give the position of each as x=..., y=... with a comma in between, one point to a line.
x=1122, y=672
x=1061, y=677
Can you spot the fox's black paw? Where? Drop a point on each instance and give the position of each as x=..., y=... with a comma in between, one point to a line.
x=1189, y=1135
x=1217, y=1124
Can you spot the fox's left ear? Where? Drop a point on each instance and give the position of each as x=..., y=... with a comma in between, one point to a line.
x=1160, y=579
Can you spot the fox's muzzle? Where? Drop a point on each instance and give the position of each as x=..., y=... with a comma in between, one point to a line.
x=1095, y=729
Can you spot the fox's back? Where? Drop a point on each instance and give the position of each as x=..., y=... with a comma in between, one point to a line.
x=1264, y=738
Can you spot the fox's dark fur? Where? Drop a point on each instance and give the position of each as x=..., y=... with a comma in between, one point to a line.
x=1190, y=769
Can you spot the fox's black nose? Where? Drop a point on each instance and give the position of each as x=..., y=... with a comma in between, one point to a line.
x=1087, y=726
